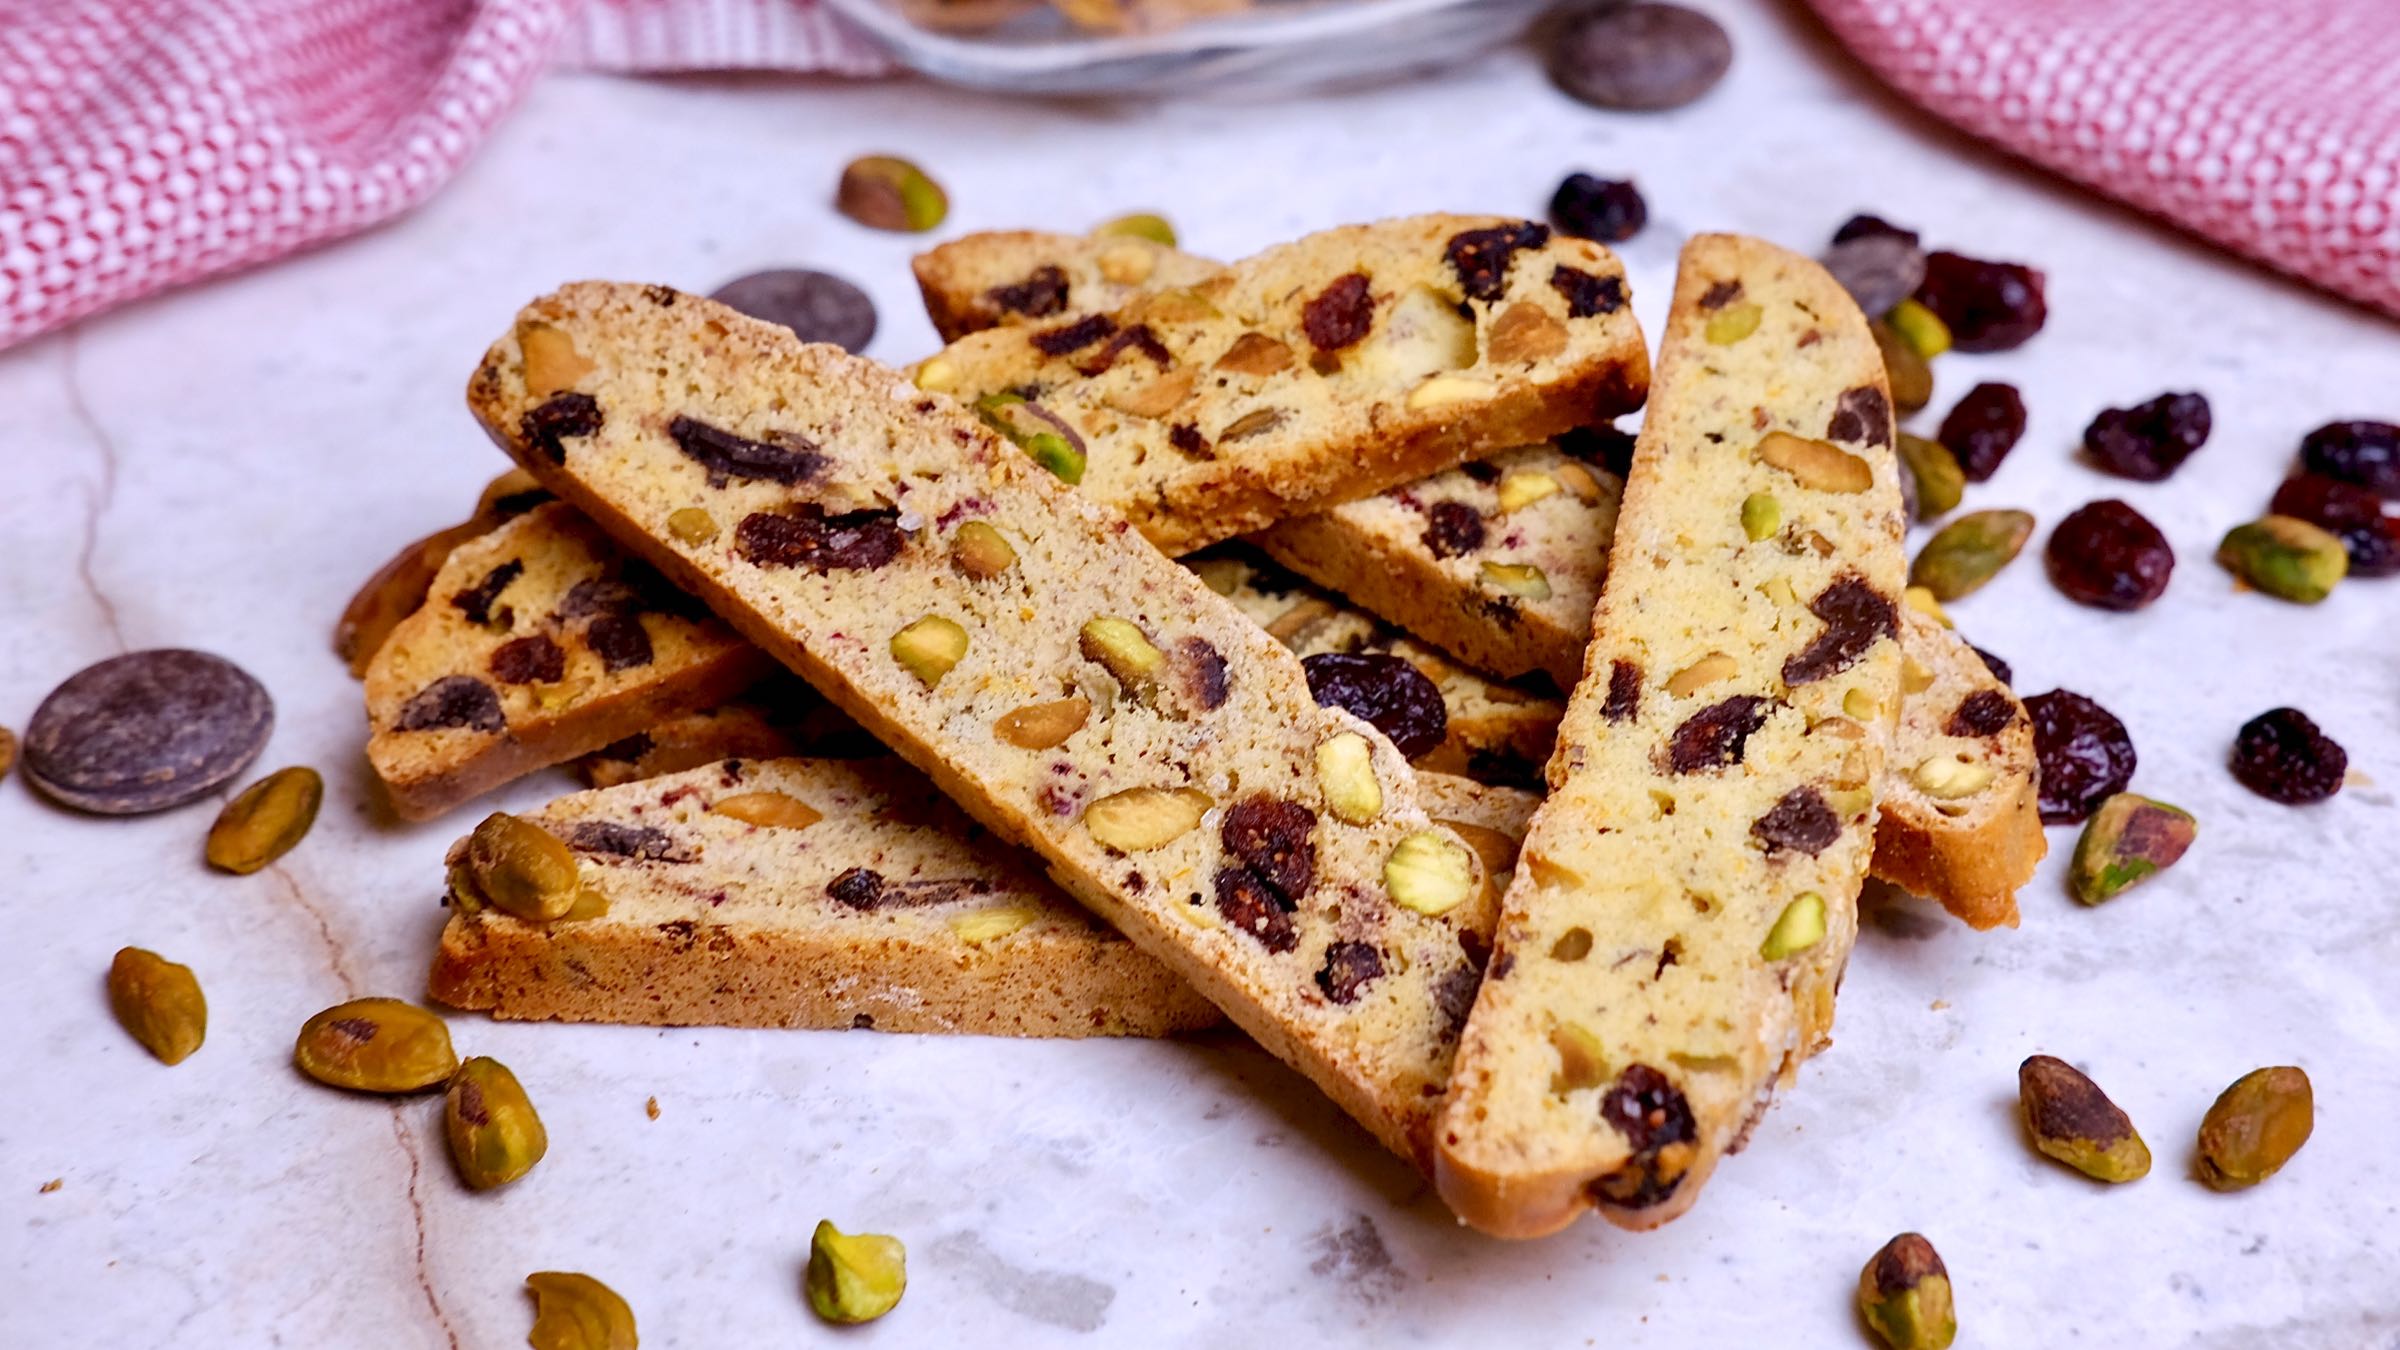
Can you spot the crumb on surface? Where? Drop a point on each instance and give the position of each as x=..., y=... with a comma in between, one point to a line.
x=53, y=1184
x=650, y=1108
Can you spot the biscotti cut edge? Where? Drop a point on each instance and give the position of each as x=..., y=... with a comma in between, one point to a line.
x=1673, y=838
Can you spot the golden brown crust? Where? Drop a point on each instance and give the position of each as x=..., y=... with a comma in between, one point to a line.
x=1974, y=872
x=398, y=588
x=1003, y=278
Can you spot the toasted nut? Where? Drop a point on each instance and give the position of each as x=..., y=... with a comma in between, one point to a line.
x=1124, y=651
x=1904, y=1294
x=2255, y=1127
x=1159, y=397
x=2127, y=839
x=1861, y=705
x=1800, y=927
x=1523, y=579
x=265, y=821
x=522, y=869
x=1128, y=264
x=158, y=1003
x=1524, y=488
x=883, y=192
x=929, y=648
x=1817, y=464
x=1183, y=304
x=937, y=376
x=1421, y=335
x=854, y=1277
x=980, y=551
x=1915, y=678
x=1950, y=777
x=1970, y=551
x=551, y=361
x=1039, y=726
x=1572, y=945
x=1940, y=482
x=2072, y=1120
x=1701, y=673
x=1578, y=482
x=577, y=1312
x=1732, y=323
x=1346, y=774
x=1779, y=590
x=977, y=927
x=1055, y=453
x=1440, y=391
x=1921, y=328
x=494, y=1135
x=1842, y=728
x=1762, y=516
x=2287, y=558
x=1908, y=374
x=1525, y=332
x=1140, y=819
x=1582, y=1060
x=1429, y=872
x=376, y=1045
x=1495, y=849
x=1255, y=354
x=1289, y=626
x=1922, y=601
x=768, y=810
x=691, y=525
x=1256, y=422
x=1045, y=438
x=1141, y=225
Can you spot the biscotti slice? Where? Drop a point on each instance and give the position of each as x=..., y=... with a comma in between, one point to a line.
x=777, y=718
x=1493, y=560
x=1330, y=368
x=538, y=641
x=803, y=893
x=1687, y=894
x=398, y=588
x=1008, y=277
x=1488, y=730
x=1069, y=687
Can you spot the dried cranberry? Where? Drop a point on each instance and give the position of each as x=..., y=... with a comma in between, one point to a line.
x=548, y=426
x=1983, y=428
x=1587, y=293
x=805, y=536
x=1863, y=226
x=1349, y=966
x=2365, y=453
x=537, y=659
x=2283, y=757
x=2110, y=556
x=859, y=888
x=1856, y=615
x=2350, y=511
x=2150, y=441
x=1341, y=314
x=1482, y=257
x=1988, y=306
x=620, y=840
x=1605, y=446
x=620, y=640
x=1801, y=820
x=1717, y=736
x=1985, y=712
x=1624, y=691
x=1598, y=208
x=2084, y=753
x=1453, y=528
x=452, y=701
x=784, y=457
x=1862, y=416
x=1041, y=294
x=476, y=601
x=1384, y=690
x=1657, y=1121
x=1251, y=908
x=1073, y=337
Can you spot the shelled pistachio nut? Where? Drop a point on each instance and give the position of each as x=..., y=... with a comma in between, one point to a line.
x=854, y=1277
x=376, y=1045
x=2127, y=840
x=2072, y=1120
x=2255, y=1127
x=158, y=1003
x=494, y=1134
x=1904, y=1294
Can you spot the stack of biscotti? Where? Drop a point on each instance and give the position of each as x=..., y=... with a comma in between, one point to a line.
x=1069, y=687
x=1499, y=562
x=819, y=893
x=1381, y=393
x=1687, y=896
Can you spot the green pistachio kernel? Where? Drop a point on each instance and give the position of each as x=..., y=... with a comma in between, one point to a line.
x=884, y=192
x=1940, y=482
x=1800, y=927
x=854, y=1277
x=494, y=1135
x=1970, y=551
x=2072, y=1120
x=1762, y=515
x=2255, y=1127
x=1141, y=225
x=1904, y=1294
x=2285, y=557
x=1921, y=328
x=2128, y=839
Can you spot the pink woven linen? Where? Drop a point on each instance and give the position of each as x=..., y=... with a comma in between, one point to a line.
x=2271, y=129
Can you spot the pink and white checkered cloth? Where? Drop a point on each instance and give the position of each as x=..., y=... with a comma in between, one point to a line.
x=145, y=144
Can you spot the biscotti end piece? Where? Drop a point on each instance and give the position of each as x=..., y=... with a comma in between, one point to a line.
x=537, y=642
x=1686, y=896
x=1069, y=687
x=398, y=588
x=802, y=893
x=1006, y=278
x=1961, y=819
x=1327, y=369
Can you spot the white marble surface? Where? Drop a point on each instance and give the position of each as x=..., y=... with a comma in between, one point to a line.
x=219, y=468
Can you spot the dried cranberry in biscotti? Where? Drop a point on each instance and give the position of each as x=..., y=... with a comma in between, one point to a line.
x=2109, y=556
x=1608, y=210
x=1384, y=690
x=2282, y=756
x=1983, y=428
x=2085, y=755
x=2150, y=441
x=2351, y=512
x=1987, y=306
x=2365, y=453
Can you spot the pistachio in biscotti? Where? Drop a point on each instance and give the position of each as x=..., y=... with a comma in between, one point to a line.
x=266, y=820
x=1800, y=927
x=981, y=552
x=1519, y=579
x=1346, y=775
x=158, y=1002
x=1732, y=323
x=1904, y=1295
x=977, y=927
x=1816, y=464
x=576, y=1312
x=1126, y=652
x=930, y=648
x=854, y=1277
x=768, y=810
x=691, y=525
x=1970, y=551
x=1523, y=488
x=2072, y=1120
x=495, y=1136
x=1046, y=438
x=1040, y=726
x=2255, y=1126
x=2129, y=839
x=1582, y=1059
x=1256, y=354
x=1140, y=819
x=1430, y=872
x=521, y=869
x=2287, y=558
x=1951, y=777
x=1762, y=516
x=551, y=362
x=376, y=1045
